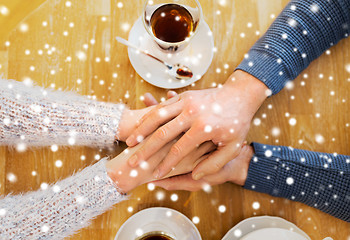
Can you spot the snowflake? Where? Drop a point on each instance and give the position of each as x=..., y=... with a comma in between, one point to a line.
x=2, y=212
x=222, y=2
x=174, y=197
x=256, y=121
x=81, y=55
x=21, y=147
x=206, y=188
x=160, y=195
x=208, y=129
x=45, y=228
x=222, y=208
x=289, y=180
x=68, y=4
x=256, y=205
x=125, y=27
x=56, y=188
x=4, y=10
x=23, y=27
x=80, y=199
x=292, y=121
x=44, y=186
x=139, y=232
x=314, y=8
x=58, y=163
x=275, y=131
x=71, y=141
x=195, y=220
x=319, y=138
x=237, y=233
x=139, y=138
x=133, y=173
x=347, y=67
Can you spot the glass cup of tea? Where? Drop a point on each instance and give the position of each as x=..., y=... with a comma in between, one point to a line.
x=172, y=23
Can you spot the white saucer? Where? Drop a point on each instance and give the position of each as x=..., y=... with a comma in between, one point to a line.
x=158, y=219
x=198, y=56
x=248, y=226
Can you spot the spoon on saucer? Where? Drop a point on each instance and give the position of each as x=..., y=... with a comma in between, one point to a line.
x=178, y=70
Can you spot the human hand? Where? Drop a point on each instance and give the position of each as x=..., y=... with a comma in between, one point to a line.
x=130, y=118
x=127, y=178
x=221, y=115
x=234, y=171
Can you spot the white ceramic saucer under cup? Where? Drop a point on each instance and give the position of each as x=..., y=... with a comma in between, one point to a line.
x=197, y=55
x=158, y=219
x=249, y=228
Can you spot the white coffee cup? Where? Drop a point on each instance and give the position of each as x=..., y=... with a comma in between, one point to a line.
x=273, y=234
x=158, y=219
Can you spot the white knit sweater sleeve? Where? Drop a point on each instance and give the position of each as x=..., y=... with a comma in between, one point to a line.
x=61, y=209
x=34, y=116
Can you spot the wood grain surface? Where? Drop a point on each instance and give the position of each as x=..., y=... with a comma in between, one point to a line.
x=41, y=39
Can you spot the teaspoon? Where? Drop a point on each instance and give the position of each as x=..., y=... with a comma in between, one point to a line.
x=178, y=71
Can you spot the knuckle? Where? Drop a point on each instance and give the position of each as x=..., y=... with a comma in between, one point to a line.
x=202, y=123
x=215, y=167
x=140, y=155
x=176, y=150
x=161, y=133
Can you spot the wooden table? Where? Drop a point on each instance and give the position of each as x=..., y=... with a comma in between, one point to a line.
x=59, y=30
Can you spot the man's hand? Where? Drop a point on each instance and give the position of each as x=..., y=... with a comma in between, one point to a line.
x=235, y=171
x=221, y=115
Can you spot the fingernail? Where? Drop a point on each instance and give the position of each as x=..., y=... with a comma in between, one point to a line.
x=198, y=176
x=156, y=174
x=133, y=160
x=130, y=140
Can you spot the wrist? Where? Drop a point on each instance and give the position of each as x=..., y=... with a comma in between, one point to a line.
x=244, y=159
x=124, y=125
x=252, y=89
x=119, y=172
x=129, y=121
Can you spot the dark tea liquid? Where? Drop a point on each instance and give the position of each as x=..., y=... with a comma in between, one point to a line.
x=156, y=236
x=172, y=23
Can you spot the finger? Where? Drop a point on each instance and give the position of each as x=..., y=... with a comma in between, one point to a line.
x=156, y=118
x=158, y=139
x=182, y=182
x=149, y=100
x=173, y=100
x=188, y=163
x=204, y=148
x=186, y=144
x=216, y=161
x=171, y=94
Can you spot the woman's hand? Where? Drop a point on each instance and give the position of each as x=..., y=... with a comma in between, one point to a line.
x=128, y=178
x=221, y=115
x=130, y=118
x=235, y=171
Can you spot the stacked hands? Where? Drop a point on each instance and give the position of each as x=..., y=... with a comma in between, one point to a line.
x=191, y=140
